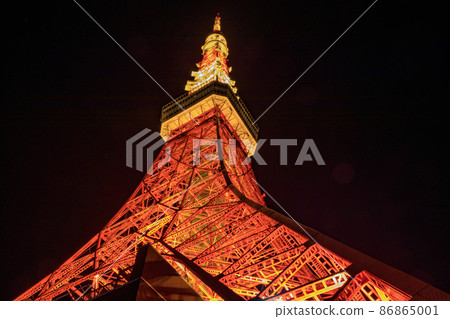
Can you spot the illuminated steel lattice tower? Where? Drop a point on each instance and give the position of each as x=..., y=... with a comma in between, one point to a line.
x=198, y=228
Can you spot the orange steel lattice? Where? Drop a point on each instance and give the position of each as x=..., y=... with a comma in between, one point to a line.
x=209, y=221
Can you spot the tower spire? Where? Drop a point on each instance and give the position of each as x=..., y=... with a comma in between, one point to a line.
x=213, y=66
x=217, y=23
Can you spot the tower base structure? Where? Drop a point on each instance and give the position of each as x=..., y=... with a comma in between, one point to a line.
x=205, y=217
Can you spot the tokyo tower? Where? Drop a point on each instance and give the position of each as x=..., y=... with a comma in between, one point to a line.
x=197, y=226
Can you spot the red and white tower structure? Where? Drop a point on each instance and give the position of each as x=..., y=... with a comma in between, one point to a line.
x=198, y=228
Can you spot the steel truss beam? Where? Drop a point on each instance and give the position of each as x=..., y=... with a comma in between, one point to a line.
x=210, y=222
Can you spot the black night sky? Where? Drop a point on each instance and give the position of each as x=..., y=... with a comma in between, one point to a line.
x=374, y=105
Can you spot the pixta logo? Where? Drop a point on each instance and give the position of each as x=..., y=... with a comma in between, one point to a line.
x=145, y=143
x=145, y=148
x=308, y=151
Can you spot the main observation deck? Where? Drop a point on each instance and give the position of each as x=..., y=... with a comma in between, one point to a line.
x=211, y=95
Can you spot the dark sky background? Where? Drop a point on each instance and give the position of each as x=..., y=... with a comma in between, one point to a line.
x=374, y=105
